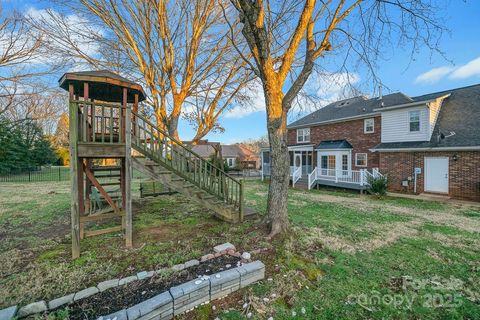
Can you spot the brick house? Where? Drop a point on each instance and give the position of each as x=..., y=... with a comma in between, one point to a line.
x=424, y=144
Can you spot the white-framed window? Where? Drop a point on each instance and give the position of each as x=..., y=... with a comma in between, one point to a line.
x=369, y=125
x=361, y=159
x=303, y=135
x=414, y=120
x=230, y=162
x=344, y=162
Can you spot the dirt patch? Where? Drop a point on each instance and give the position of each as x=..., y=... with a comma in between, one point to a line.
x=126, y=296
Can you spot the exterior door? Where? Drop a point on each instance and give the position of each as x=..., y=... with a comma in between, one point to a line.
x=436, y=174
x=297, y=160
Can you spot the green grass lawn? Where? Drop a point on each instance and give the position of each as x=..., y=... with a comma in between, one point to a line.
x=347, y=256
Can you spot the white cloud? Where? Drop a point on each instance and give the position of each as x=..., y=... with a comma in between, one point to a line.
x=321, y=90
x=434, y=75
x=468, y=70
x=472, y=68
x=255, y=104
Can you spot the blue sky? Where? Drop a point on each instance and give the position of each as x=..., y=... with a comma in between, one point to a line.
x=426, y=73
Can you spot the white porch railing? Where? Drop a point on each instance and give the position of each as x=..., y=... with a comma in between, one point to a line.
x=346, y=176
x=312, y=176
x=296, y=175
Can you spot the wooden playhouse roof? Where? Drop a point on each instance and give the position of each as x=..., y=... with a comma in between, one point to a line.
x=104, y=85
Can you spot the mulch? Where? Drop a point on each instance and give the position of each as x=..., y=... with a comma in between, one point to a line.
x=122, y=297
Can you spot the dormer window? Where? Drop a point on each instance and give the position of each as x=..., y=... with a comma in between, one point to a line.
x=414, y=120
x=368, y=125
x=303, y=135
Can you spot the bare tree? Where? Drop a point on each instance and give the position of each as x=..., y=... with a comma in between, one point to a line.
x=23, y=66
x=17, y=47
x=178, y=49
x=286, y=40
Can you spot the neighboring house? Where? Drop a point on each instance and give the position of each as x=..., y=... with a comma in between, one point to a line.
x=235, y=155
x=429, y=143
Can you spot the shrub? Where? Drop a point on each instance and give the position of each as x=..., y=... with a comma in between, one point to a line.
x=377, y=185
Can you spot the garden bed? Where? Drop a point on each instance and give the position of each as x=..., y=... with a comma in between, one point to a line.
x=123, y=297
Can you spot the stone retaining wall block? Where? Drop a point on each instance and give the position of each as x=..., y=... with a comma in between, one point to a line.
x=190, y=294
x=105, y=285
x=85, y=293
x=224, y=283
x=8, y=313
x=119, y=315
x=126, y=280
x=32, y=308
x=251, y=272
x=55, y=303
x=158, y=307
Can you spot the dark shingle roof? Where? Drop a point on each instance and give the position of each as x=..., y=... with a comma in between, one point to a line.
x=354, y=107
x=460, y=113
x=104, y=85
x=334, y=144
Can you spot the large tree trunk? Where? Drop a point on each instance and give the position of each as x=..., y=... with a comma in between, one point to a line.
x=280, y=162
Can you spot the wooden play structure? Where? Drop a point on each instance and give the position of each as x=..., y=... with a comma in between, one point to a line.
x=109, y=138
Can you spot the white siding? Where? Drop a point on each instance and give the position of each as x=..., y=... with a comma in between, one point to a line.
x=396, y=126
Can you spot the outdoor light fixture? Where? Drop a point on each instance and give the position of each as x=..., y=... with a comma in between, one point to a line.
x=455, y=157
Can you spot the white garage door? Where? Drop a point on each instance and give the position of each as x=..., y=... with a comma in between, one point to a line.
x=436, y=174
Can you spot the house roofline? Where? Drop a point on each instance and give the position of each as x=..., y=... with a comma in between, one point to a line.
x=363, y=116
x=467, y=148
x=411, y=104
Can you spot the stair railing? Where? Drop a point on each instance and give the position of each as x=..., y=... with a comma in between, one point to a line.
x=297, y=174
x=158, y=145
x=312, y=176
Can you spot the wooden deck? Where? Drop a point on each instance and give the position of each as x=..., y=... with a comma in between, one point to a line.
x=344, y=185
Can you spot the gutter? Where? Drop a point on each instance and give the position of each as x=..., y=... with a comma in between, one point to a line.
x=471, y=148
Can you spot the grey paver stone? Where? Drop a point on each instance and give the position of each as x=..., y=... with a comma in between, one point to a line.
x=207, y=257
x=32, y=308
x=145, y=274
x=85, y=293
x=178, y=267
x=105, y=285
x=126, y=280
x=55, y=303
x=224, y=247
x=191, y=263
x=8, y=313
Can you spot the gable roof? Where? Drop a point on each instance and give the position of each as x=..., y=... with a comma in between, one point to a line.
x=358, y=107
x=334, y=144
x=460, y=113
x=104, y=85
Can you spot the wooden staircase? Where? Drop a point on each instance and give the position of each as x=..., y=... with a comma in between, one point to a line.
x=180, y=169
x=302, y=183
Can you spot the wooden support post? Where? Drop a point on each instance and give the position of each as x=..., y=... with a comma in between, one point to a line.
x=242, y=204
x=135, y=110
x=88, y=185
x=74, y=179
x=128, y=173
